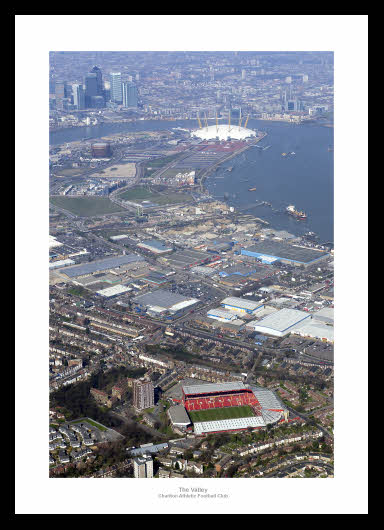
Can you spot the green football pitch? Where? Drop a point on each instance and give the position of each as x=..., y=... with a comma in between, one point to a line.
x=225, y=413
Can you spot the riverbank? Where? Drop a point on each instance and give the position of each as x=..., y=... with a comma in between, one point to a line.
x=232, y=155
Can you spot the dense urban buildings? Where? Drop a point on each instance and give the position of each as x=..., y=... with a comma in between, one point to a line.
x=191, y=303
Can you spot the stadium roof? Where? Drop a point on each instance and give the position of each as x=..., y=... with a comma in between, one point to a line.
x=282, y=320
x=101, y=265
x=270, y=416
x=223, y=132
x=178, y=415
x=228, y=425
x=267, y=399
x=241, y=302
x=213, y=387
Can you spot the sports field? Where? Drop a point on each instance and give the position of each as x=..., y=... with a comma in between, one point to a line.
x=225, y=413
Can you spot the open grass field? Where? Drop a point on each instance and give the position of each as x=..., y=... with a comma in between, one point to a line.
x=139, y=193
x=86, y=206
x=225, y=413
x=91, y=422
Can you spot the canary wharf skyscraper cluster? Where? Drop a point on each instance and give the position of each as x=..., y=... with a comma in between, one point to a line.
x=94, y=93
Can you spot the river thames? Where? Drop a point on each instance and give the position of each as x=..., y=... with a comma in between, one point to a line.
x=304, y=179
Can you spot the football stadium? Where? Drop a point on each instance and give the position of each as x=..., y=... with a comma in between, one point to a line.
x=231, y=406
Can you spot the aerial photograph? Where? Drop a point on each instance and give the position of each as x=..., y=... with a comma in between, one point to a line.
x=191, y=264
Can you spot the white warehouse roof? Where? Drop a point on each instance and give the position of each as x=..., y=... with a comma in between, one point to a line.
x=281, y=321
x=241, y=303
x=61, y=263
x=221, y=313
x=325, y=315
x=315, y=330
x=114, y=290
x=223, y=132
x=53, y=242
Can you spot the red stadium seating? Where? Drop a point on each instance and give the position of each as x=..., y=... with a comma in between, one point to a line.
x=222, y=400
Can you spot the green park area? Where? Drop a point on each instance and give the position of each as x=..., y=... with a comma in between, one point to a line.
x=91, y=422
x=86, y=206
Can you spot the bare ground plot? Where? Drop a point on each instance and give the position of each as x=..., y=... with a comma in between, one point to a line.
x=117, y=171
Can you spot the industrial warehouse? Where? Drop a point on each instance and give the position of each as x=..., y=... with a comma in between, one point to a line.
x=155, y=246
x=185, y=259
x=281, y=322
x=230, y=406
x=115, y=290
x=221, y=315
x=272, y=251
x=85, y=269
x=256, y=272
x=241, y=305
x=160, y=301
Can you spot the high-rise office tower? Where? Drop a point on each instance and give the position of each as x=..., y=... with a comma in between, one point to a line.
x=52, y=85
x=129, y=92
x=116, y=88
x=78, y=96
x=243, y=74
x=91, y=88
x=61, y=92
x=99, y=78
x=143, y=394
x=143, y=467
x=292, y=105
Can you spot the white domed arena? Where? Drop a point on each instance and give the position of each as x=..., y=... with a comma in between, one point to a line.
x=223, y=132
